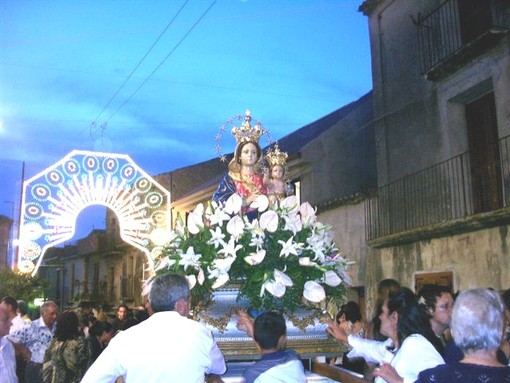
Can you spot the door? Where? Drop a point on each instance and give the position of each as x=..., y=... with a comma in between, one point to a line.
x=484, y=154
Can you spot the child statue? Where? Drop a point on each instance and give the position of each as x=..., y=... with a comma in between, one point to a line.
x=274, y=178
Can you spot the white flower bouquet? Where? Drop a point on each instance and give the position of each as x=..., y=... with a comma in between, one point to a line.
x=282, y=260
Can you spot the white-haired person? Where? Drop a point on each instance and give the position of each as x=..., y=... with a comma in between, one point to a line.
x=166, y=347
x=477, y=329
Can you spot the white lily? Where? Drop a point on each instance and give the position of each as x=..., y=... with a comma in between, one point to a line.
x=233, y=204
x=305, y=261
x=257, y=241
x=331, y=278
x=192, y=281
x=346, y=277
x=195, y=222
x=220, y=281
x=269, y=221
x=223, y=264
x=261, y=203
x=293, y=223
x=235, y=226
x=274, y=288
x=289, y=247
x=216, y=237
x=255, y=258
x=217, y=216
x=307, y=212
x=314, y=292
x=201, y=276
x=199, y=209
x=189, y=258
x=230, y=248
x=290, y=204
x=278, y=286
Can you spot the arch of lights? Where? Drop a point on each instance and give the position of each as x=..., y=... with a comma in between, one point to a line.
x=53, y=199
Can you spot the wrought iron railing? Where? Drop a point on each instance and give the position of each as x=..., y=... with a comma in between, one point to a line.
x=437, y=194
x=453, y=25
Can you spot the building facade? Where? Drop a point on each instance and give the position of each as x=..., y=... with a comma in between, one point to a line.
x=441, y=75
x=5, y=240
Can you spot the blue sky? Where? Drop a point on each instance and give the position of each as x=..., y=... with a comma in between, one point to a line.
x=62, y=63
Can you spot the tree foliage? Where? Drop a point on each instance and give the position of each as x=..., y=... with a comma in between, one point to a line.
x=21, y=286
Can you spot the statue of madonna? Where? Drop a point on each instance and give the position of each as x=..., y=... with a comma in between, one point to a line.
x=243, y=175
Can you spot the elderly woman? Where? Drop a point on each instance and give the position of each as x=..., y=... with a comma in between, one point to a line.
x=411, y=347
x=477, y=328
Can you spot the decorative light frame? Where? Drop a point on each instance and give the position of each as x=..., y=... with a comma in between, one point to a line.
x=53, y=199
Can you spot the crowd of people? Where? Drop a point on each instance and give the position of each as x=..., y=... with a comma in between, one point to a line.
x=425, y=337
x=57, y=347
x=431, y=336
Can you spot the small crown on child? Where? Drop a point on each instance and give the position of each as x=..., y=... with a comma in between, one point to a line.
x=275, y=156
x=246, y=132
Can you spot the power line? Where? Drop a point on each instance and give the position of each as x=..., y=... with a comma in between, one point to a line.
x=140, y=62
x=163, y=61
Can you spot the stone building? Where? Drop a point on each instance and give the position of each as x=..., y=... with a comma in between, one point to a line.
x=5, y=238
x=441, y=75
x=413, y=176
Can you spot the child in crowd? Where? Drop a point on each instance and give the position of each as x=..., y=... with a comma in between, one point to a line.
x=276, y=364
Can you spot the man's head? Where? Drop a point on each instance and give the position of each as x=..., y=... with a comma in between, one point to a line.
x=270, y=331
x=122, y=312
x=11, y=306
x=22, y=308
x=49, y=311
x=437, y=302
x=170, y=292
x=5, y=321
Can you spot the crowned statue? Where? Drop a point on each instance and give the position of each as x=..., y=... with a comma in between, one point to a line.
x=244, y=177
x=274, y=177
x=254, y=246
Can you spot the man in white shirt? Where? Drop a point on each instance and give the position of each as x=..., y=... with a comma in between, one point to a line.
x=33, y=340
x=166, y=347
x=7, y=358
x=11, y=305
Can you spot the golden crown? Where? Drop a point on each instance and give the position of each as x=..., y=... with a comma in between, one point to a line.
x=275, y=156
x=246, y=132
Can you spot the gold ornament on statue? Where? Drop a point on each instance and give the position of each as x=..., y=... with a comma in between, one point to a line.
x=246, y=132
x=275, y=156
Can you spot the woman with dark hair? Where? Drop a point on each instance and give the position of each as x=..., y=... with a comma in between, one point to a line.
x=411, y=346
x=100, y=334
x=67, y=358
x=384, y=288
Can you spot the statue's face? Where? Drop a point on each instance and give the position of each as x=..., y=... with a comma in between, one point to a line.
x=249, y=155
x=277, y=172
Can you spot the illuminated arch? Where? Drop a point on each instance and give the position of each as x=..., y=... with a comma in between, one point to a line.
x=53, y=199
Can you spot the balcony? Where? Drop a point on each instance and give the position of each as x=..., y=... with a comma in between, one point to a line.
x=453, y=196
x=458, y=31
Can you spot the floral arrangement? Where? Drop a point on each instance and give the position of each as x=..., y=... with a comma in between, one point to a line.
x=282, y=260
